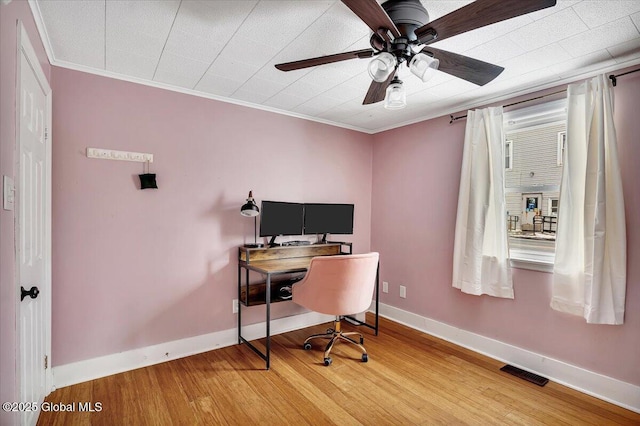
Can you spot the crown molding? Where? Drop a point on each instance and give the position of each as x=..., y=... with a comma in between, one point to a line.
x=488, y=100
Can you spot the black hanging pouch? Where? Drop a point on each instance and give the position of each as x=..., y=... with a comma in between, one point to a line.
x=148, y=181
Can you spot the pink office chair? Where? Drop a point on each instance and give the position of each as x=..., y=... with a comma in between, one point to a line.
x=338, y=285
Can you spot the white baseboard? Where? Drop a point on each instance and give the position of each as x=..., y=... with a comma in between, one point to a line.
x=603, y=387
x=95, y=368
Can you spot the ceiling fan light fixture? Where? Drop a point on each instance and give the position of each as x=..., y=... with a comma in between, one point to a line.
x=424, y=66
x=403, y=32
x=381, y=67
x=396, y=97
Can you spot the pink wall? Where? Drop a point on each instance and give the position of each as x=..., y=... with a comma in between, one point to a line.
x=414, y=202
x=9, y=16
x=134, y=268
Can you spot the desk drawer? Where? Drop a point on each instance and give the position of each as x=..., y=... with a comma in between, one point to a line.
x=288, y=252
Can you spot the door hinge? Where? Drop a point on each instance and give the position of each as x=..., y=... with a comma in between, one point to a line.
x=46, y=362
x=46, y=134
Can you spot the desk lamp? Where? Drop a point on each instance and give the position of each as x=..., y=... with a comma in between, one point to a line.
x=250, y=209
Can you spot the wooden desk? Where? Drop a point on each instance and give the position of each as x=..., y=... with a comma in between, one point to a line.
x=280, y=262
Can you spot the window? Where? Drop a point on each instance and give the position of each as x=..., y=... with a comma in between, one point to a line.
x=562, y=142
x=532, y=181
x=553, y=207
x=508, y=155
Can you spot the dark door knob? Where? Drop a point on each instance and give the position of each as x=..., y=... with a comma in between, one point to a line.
x=32, y=293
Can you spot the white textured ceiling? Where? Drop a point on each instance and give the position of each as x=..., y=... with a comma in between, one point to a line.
x=227, y=50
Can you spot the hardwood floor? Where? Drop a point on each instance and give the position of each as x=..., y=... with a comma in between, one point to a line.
x=411, y=379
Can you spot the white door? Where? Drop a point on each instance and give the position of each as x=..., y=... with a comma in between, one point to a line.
x=33, y=234
x=531, y=206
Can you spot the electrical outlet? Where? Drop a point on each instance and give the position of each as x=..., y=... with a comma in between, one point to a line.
x=385, y=287
x=403, y=292
x=234, y=306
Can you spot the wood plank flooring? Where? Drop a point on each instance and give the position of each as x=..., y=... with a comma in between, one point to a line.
x=411, y=379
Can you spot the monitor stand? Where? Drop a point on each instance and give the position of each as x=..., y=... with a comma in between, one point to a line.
x=323, y=240
x=272, y=241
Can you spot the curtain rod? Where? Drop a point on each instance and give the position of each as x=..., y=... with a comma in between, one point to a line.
x=613, y=78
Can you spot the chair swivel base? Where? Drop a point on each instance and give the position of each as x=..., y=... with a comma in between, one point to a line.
x=334, y=335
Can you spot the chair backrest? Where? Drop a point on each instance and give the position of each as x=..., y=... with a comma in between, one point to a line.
x=338, y=285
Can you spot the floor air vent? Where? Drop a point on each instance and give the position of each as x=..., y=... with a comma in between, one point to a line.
x=530, y=377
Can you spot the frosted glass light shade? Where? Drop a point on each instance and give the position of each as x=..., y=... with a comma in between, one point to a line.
x=423, y=66
x=396, y=97
x=381, y=67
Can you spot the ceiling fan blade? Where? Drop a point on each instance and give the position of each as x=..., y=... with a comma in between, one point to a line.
x=478, y=14
x=377, y=91
x=473, y=70
x=321, y=60
x=372, y=14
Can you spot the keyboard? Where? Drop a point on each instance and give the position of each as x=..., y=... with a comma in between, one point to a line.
x=296, y=243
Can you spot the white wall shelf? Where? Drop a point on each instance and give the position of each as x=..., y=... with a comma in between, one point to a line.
x=110, y=154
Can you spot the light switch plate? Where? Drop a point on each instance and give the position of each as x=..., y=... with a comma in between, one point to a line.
x=8, y=193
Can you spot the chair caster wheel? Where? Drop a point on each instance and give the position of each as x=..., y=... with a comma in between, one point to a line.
x=327, y=361
x=307, y=346
x=365, y=357
x=361, y=340
x=330, y=330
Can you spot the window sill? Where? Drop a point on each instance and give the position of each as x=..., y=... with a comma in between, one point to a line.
x=535, y=256
x=532, y=265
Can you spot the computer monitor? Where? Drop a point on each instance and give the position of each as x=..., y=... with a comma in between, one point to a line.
x=324, y=218
x=281, y=218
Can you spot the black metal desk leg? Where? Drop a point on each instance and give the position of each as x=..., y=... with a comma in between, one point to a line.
x=268, y=301
x=239, y=308
x=377, y=295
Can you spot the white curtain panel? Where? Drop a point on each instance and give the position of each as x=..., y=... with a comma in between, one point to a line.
x=481, y=253
x=589, y=275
